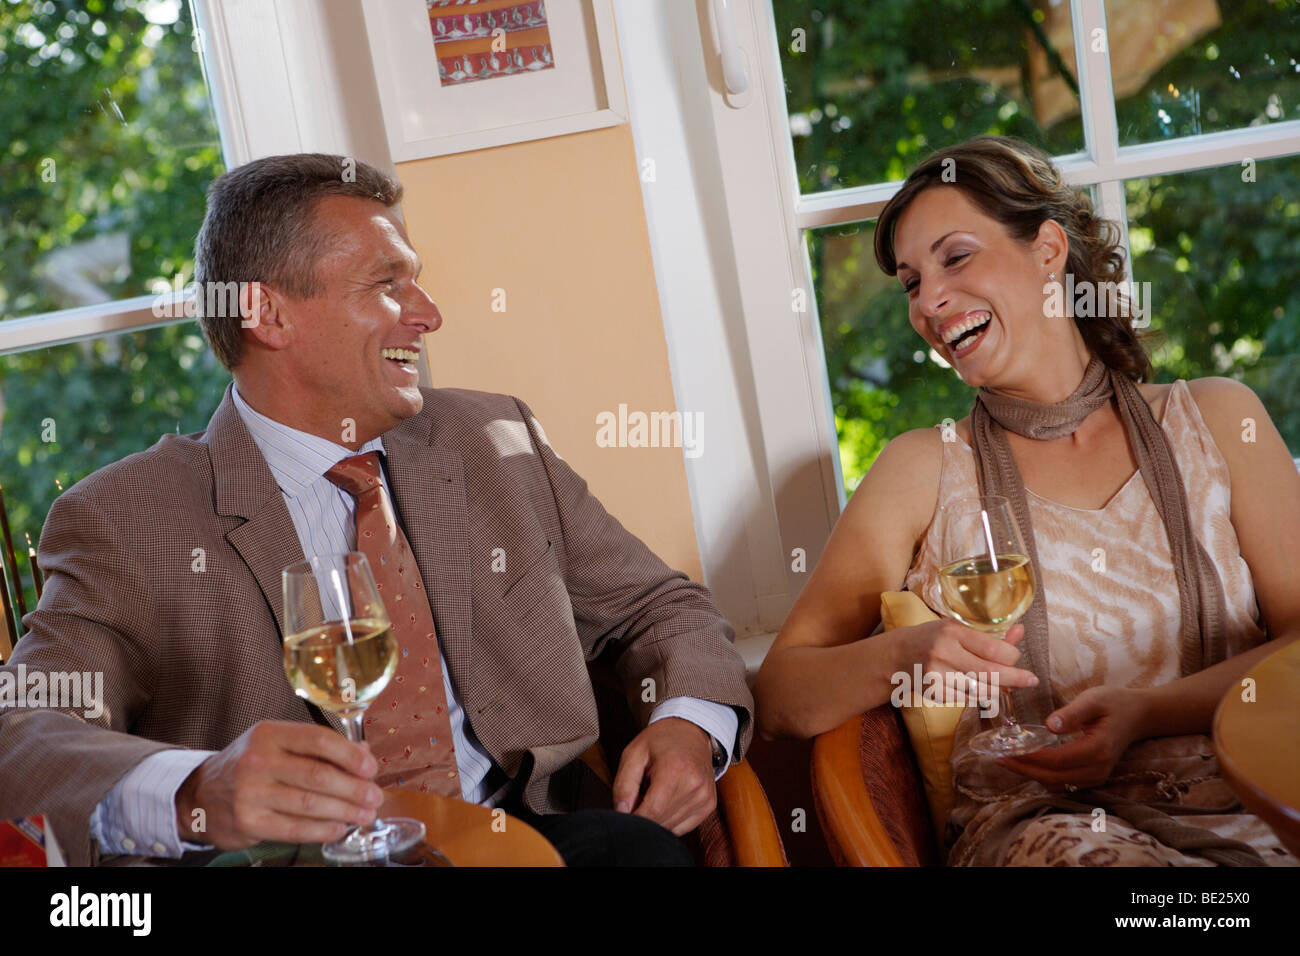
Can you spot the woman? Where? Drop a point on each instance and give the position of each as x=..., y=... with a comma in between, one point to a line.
x=1196, y=523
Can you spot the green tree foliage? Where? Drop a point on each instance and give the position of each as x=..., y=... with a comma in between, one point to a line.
x=107, y=131
x=1223, y=260
x=879, y=84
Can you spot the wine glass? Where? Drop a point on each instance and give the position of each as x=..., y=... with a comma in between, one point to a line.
x=987, y=582
x=340, y=653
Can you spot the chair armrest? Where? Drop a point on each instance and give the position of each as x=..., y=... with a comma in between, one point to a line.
x=7, y=636
x=594, y=758
x=848, y=815
x=751, y=825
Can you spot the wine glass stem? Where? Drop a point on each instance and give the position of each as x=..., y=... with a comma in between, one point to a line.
x=1010, y=724
x=355, y=732
x=352, y=728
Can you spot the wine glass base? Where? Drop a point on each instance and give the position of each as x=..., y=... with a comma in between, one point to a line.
x=388, y=838
x=1001, y=743
x=420, y=855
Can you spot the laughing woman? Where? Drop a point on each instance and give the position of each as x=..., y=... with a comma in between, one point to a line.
x=1200, y=529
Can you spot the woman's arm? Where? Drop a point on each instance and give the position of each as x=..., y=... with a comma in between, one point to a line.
x=1266, y=517
x=1187, y=706
x=819, y=671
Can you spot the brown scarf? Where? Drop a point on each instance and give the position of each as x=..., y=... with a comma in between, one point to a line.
x=1202, y=641
x=1200, y=591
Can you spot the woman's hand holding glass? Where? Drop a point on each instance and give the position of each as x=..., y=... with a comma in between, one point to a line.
x=1106, y=721
x=987, y=581
x=953, y=650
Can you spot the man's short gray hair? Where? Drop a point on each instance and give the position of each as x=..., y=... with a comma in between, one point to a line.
x=260, y=227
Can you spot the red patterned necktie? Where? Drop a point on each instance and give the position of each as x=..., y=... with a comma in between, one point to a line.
x=407, y=726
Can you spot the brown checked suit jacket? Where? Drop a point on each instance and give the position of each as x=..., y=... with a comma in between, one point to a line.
x=189, y=640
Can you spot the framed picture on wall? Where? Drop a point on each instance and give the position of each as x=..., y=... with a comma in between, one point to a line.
x=460, y=75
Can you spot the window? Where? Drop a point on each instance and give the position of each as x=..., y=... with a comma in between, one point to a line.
x=111, y=141
x=1183, y=118
x=780, y=326
x=1221, y=256
x=873, y=88
x=140, y=103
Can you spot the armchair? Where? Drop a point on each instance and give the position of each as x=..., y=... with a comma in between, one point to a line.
x=742, y=831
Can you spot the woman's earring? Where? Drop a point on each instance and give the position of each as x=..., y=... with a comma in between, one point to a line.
x=1051, y=277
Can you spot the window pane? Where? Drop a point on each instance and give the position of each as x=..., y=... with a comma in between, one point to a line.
x=872, y=86
x=1198, y=66
x=883, y=377
x=1222, y=256
x=72, y=409
x=109, y=145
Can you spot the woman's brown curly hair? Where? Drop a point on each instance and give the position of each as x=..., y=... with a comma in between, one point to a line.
x=1017, y=184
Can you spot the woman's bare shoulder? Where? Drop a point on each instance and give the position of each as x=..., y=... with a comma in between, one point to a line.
x=1229, y=409
x=903, y=483
x=1215, y=393
x=911, y=456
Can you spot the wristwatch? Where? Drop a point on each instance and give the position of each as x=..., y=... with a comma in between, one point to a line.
x=720, y=755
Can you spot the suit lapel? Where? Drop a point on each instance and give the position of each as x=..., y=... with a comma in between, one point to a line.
x=268, y=543
x=428, y=485
x=245, y=488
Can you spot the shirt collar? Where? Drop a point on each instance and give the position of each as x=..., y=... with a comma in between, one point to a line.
x=296, y=459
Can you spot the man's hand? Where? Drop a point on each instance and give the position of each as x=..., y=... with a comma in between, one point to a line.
x=281, y=780
x=1109, y=718
x=677, y=758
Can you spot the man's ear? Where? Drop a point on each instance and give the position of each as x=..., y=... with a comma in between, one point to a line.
x=263, y=312
x=1052, y=246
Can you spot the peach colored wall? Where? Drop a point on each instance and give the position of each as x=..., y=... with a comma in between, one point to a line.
x=558, y=224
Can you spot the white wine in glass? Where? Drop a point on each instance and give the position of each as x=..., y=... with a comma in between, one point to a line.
x=339, y=653
x=987, y=582
x=341, y=667
x=988, y=593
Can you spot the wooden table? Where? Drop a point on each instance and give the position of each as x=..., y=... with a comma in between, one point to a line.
x=471, y=835
x=465, y=833
x=1258, y=743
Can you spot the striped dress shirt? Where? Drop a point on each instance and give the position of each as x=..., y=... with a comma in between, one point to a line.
x=138, y=815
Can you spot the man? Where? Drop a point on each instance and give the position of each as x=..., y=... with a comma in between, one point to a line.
x=163, y=572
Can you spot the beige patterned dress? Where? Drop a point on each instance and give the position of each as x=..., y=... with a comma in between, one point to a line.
x=1113, y=619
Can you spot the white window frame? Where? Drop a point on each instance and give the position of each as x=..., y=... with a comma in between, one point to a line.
x=727, y=223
